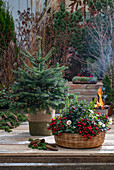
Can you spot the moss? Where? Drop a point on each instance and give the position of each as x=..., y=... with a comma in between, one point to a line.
x=77, y=78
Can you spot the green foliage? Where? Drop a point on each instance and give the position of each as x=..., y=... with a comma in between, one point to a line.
x=41, y=144
x=38, y=87
x=92, y=104
x=38, y=145
x=64, y=20
x=5, y=95
x=66, y=32
x=101, y=5
x=77, y=78
x=66, y=25
x=77, y=110
x=13, y=118
x=108, y=92
x=4, y=100
x=112, y=96
x=8, y=46
x=79, y=118
x=6, y=26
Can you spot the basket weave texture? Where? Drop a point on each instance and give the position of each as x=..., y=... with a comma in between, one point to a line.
x=70, y=140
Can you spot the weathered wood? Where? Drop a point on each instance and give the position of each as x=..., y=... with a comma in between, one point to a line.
x=56, y=158
x=14, y=149
x=57, y=166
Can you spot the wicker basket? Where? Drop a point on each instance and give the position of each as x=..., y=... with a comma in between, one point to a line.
x=69, y=140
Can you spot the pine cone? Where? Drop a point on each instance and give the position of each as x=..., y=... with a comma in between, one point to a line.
x=51, y=148
x=34, y=142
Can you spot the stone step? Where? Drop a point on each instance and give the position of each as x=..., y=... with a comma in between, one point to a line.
x=57, y=166
x=84, y=86
x=83, y=95
x=84, y=92
x=87, y=98
x=54, y=157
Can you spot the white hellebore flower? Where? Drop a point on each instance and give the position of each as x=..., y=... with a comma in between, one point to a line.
x=95, y=123
x=91, y=115
x=48, y=125
x=94, y=117
x=91, y=111
x=110, y=121
x=103, y=125
x=100, y=123
x=69, y=122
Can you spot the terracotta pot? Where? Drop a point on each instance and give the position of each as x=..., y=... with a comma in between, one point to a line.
x=38, y=123
x=104, y=111
x=110, y=110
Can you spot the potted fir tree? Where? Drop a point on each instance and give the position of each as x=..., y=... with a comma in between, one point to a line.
x=38, y=90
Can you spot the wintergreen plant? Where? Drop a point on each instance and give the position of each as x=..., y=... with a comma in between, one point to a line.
x=79, y=118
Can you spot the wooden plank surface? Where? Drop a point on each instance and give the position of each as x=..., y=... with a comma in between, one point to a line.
x=14, y=147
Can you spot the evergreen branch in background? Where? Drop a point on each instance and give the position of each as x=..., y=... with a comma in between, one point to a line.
x=9, y=120
x=108, y=92
x=9, y=58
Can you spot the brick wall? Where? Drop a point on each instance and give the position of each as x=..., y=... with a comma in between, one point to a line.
x=85, y=91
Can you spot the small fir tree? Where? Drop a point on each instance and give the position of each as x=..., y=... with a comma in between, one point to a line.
x=38, y=87
x=108, y=92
